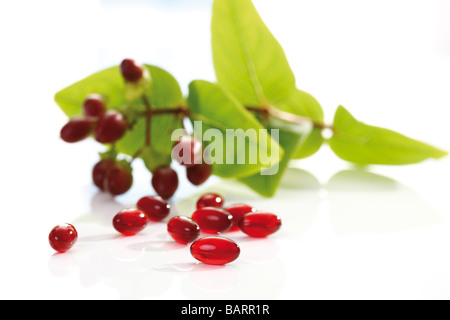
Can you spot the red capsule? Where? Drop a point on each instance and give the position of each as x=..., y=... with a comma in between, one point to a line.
x=213, y=220
x=183, y=229
x=215, y=250
x=210, y=200
x=155, y=207
x=63, y=237
x=260, y=224
x=130, y=221
x=238, y=211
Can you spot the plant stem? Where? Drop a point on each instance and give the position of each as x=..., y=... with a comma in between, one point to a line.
x=148, y=117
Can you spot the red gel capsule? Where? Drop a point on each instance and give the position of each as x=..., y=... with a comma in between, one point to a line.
x=63, y=237
x=155, y=207
x=238, y=211
x=130, y=221
x=260, y=224
x=215, y=250
x=213, y=220
x=183, y=229
x=210, y=200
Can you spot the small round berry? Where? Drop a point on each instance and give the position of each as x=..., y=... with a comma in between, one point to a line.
x=183, y=229
x=199, y=173
x=119, y=180
x=260, y=224
x=77, y=129
x=130, y=221
x=187, y=151
x=165, y=182
x=94, y=106
x=131, y=71
x=215, y=250
x=238, y=211
x=63, y=237
x=210, y=200
x=100, y=172
x=155, y=207
x=110, y=127
x=213, y=220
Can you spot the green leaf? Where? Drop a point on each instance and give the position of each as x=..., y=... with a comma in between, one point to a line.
x=357, y=142
x=248, y=60
x=154, y=159
x=217, y=109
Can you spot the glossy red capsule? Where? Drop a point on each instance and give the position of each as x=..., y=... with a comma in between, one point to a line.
x=76, y=130
x=213, y=220
x=238, y=211
x=215, y=250
x=63, y=237
x=183, y=229
x=260, y=224
x=156, y=208
x=130, y=221
x=94, y=106
x=210, y=200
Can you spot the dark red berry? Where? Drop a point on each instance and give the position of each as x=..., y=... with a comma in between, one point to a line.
x=215, y=250
x=77, y=129
x=118, y=180
x=165, y=182
x=187, y=151
x=63, y=237
x=156, y=208
x=101, y=171
x=94, y=106
x=213, y=220
x=210, y=200
x=130, y=221
x=238, y=211
x=110, y=127
x=183, y=229
x=199, y=173
x=131, y=71
x=260, y=224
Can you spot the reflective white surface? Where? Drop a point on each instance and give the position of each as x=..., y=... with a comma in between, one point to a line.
x=347, y=233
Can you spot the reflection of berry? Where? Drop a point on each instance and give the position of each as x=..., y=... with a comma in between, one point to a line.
x=130, y=221
x=63, y=237
x=210, y=200
x=183, y=229
x=199, y=173
x=156, y=208
x=94, y=106
x=76, y=129
x=100, y=172
x=131, y=71
x=165, y=182
x=110, y=127
x=118, y=180
x=187, y=151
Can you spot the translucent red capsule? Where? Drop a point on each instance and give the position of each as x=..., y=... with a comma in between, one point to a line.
x=130, y=221
x=238, y=211
x=210, y=200
x=155, y=207
x=260, y=224
x=63, y=237
x=213, y=220
x=183, y=229
x=215, y=250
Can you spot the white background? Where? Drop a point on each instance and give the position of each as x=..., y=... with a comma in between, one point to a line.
x=347, y=234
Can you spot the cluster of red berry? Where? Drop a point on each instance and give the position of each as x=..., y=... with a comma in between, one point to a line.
x=210, y=217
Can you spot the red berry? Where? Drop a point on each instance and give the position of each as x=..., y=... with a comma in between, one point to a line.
x=187, y=151
x=63, y=237
x=165, y=182
x=215, y=250
x=118, y=180
x=131, y=71
x=130, y=221
x=183, y=229
x=76, y=129
x=156, y=208
x=110, y=127
x=199, y=173
x=238, y=211
x=260, y=224
x=101, y=171
x=210, y=200
x=94, y=106
x=213, y=220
